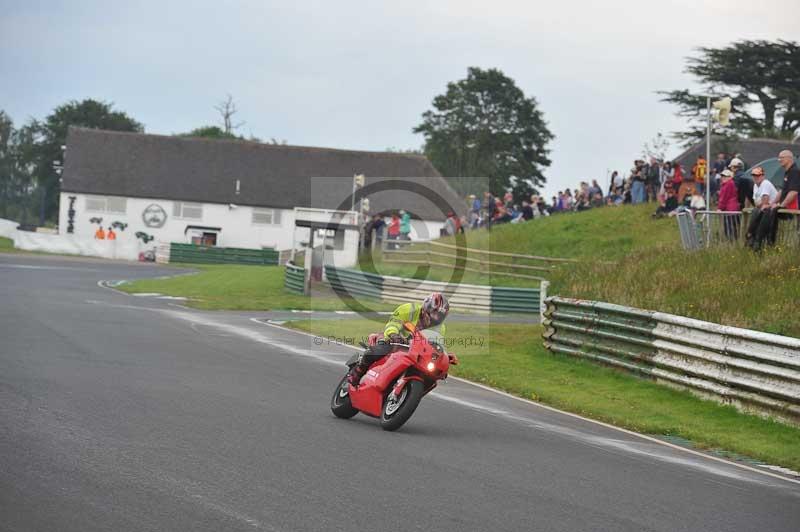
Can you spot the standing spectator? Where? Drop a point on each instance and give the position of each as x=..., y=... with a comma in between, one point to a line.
x=744, y=186
x=652, y=182
x=764, y=195
x=490, y=208
x=405, y=225
x=699, y=173
x=677, y=181
x=393, y=233
x=615, y=187
x=638, y=193
x=791, y=182
x=475, y=211
x=595, y=189
x=728, y=202
x=100, y=234
x=788, y=199
x=568, y=200
x=716, y=172
x=667, y=174
x=451, y=225
x=111, y=235
x=378, y=226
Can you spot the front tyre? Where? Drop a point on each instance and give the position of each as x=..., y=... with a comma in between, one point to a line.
x=397, y=411
x=340, y=402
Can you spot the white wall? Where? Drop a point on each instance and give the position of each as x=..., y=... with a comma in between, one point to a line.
x=238, y=230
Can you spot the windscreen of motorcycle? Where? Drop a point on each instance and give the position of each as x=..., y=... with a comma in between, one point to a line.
x=434, y=337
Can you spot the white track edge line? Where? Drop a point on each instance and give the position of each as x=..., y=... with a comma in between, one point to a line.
x=576, y=416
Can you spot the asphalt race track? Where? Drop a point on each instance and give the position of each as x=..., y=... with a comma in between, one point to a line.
x=123, y=413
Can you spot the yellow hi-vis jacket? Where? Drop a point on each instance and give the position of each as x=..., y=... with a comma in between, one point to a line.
x=403, y=313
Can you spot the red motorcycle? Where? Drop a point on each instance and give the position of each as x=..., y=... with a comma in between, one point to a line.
x=394, y=385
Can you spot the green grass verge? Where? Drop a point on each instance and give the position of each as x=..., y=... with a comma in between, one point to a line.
x=6, y=244
x=628, y=258
x=239, y=287
x=513, y=359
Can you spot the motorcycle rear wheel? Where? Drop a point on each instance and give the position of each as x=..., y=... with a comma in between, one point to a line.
x=340, y=402
x=394, y=415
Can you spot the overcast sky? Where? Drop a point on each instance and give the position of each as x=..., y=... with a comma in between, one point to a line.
x=359, y=74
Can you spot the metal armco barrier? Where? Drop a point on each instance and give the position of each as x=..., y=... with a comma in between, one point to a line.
x=294, y=279
x=353, y=282
x=474, y=298
x=213, y=255
x=753, y=371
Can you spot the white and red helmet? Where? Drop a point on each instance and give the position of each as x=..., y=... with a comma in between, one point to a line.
x=436, y=307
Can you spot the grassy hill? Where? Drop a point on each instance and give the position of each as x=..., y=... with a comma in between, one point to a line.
x=628, y=258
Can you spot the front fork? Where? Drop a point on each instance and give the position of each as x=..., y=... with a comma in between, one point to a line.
x=400, y=384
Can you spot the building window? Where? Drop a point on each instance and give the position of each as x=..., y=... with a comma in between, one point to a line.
x=189, y=211
x=267, y=216
x=111, y=204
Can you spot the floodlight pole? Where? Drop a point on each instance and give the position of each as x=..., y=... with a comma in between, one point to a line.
x=708, y=167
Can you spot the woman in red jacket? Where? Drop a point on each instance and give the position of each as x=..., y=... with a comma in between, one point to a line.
x=729, y=202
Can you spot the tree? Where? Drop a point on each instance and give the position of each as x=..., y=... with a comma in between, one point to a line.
x=226, y=110
x=762, y=78
x=656, y=148
x=49, y=136
x=17, y=162
x=210, y=132
x=484, y=126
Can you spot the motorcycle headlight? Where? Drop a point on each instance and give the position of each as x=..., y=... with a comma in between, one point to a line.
x=431, y=366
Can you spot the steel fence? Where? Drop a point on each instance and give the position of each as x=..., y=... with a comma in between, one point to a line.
x=473, y=298
x=294, y=279
x=714, y=228
x=751, y=370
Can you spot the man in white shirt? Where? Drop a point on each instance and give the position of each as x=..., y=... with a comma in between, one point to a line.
x=764, y=192
x=762, y=216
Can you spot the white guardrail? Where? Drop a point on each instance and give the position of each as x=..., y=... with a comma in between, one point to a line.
x=473, y=298
x=754, y=371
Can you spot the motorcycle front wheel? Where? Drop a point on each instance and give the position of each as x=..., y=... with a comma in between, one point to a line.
x=340, y=402
x=396, y=411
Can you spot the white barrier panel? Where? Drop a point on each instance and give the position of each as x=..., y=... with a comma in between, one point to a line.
x=8, y=228
x=72, y=245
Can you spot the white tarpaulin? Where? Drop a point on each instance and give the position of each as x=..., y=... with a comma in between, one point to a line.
x=72, y=245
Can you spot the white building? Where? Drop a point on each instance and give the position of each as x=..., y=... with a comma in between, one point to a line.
x=231, y=193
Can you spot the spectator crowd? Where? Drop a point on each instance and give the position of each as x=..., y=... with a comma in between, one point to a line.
x=670, y=187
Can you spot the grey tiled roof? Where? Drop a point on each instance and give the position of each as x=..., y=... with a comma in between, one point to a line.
x=753, y=150
x=206, y=170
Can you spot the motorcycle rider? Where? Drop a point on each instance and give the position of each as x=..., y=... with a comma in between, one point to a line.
x=430, y=315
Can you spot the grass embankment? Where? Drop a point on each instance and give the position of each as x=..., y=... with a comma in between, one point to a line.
x=6, y=244
x=239, y=287
x=626, y=257
x=510, y=361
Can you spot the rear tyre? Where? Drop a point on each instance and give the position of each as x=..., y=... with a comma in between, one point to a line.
x=340, y=402
x=397, y=411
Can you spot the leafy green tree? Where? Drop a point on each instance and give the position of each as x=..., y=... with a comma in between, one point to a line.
x=485, y=127
x=18, y=192
x=210, y=132
x=762, y=78
x=52, y=135
x=6, y=162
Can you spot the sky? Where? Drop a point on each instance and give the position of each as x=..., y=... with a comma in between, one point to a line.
x=359, y=75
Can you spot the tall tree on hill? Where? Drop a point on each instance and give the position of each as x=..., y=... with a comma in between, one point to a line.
x=51, y=135
x=485, y=127
x=762, y=79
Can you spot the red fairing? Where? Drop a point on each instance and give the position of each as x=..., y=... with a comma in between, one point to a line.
x=376, y=384
x=368, y=397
